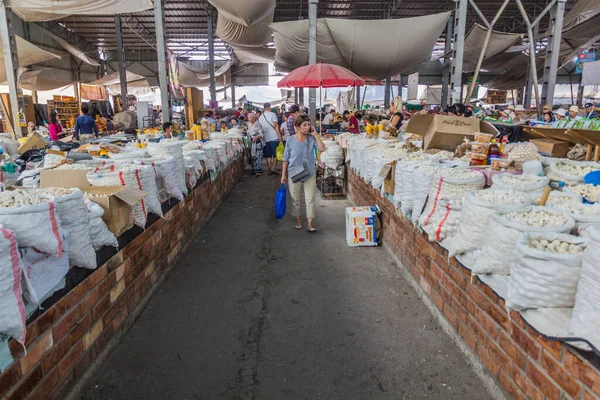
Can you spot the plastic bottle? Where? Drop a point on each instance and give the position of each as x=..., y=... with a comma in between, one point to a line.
x=503, y=145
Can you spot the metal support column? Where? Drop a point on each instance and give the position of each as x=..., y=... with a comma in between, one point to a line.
x=552, y=51
x=447, y=62
x=357, y=90
x=11, y=64
x=529, y=79
x=211, y=60
x=460, y=24
x=233, y=100
x=580, y=93
x=386, y=97
x=413, y=86
x=312, y=55
x=296, y=96
x=122, y=63
x=300, y=96
x=161, y=52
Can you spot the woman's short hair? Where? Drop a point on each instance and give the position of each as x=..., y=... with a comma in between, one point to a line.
x=300, y=120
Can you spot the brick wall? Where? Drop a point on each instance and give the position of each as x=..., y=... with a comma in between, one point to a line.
x=64, y=341
x=521, y=361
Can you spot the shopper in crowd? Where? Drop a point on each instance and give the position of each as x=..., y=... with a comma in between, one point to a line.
x=560, y=114
x=210, y=118
x=84, y=124
x=574, y=113
x=258, y=113
x=294, y=113
x=167, y=131
x=338, y=123
x=470, y=112
x=510, y=112
x=548, y=117
x=460, y=109
x=328, y=119
x=272, y=137
x=590, y=113
x=234, y=122
x=546, y=108
x=54, y=127
x=285, y=133
x=396, y=115
x=224, y=126
x=256, y=137
x=299, y=158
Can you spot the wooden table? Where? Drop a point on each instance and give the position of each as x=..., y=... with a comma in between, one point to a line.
x=588, y=137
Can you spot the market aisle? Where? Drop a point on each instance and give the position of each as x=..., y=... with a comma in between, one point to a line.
x=259, y=310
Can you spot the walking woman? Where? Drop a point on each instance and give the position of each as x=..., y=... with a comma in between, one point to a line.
x=255, y=134
x=299, y=170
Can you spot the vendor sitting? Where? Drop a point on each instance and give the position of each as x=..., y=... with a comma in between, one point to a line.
x=510, y=112
x=167, y=131
x=224, y=126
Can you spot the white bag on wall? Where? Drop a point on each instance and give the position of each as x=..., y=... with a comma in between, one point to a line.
x=12, y=309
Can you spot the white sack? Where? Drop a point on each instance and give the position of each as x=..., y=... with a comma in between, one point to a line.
x=585, y=321
x=171, y=149
x=543, y=279
x=422, y=176
x=445, y=219
x=165, y=170
x=502, y=237
x=12, y=309
x=566, y=176
x=35, y=226
x=99, y=233
x=42, y=272
x=333, y=157
x=407, y=189
x=476, y=216
x=520, y=183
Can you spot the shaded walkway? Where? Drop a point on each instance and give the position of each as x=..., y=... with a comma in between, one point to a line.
x=257, y=309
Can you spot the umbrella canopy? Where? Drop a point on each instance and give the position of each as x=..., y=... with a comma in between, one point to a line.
x=320, y=75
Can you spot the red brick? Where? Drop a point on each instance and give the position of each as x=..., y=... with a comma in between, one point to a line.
x=475, y=295
x=542, y=382
x=27, y=384
x=487, y=360
x=512, y=350
x=489, y=292
x=66, y=364
x=55, y=355
x=98, y=276
x=500, y=357
x=47, y=319
x=36, y=352
x=583, y=371
x=509, y=385
x=450, y=316
x=45, y=387
x=467, y=336
x=488, y=325
x=499, y=315
x=105, y=337
x=425, y=285
x=527, y=387
x=458, y=278
x=65, y=325
x=525, y=341
x=552, y=347
x=588, y=396
x=559, y=375
x=80, y=328
x=75, y=295
x=479, y=332
x=9, y=378
x=437, y=299
x=118, y=320
x=63, y=387
x=100, y=308
x=89, y=301
x=517, y=319
x=32, y=333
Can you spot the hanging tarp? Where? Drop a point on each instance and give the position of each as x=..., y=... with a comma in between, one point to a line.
x=245, y=13
x=255, y=35
x=499, y=42
x=582, y=11
x=80, y=54
x=49, y=10
x=137, y=88
x=259, y=55
x=27, y=54
x=191, y=76
x=41, y=80
x=591, y=73
x=113, y=79
x=371, y=48
x=92, y=92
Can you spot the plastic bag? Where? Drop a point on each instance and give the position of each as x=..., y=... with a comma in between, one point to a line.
x=280, y=202
x=541, y=278
x=279, y=152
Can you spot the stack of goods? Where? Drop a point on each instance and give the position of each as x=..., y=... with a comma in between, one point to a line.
x=171, y=149
x=445, y=220
x=134, y=176
x=166, y=175
x=520, y=183
x=572, y=172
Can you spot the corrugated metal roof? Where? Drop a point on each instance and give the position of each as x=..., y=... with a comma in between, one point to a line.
x=186, y=21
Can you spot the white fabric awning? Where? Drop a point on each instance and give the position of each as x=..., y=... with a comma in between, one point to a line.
x=28, y=54
x=246, y=12
x=255, y=35
x=41, y=80
x=499, y=43
x=114, y=79
x=75, y=51
x=190, y=76
x=259, y=55
x=370, y=48
x=49, y=10
x=136, y=88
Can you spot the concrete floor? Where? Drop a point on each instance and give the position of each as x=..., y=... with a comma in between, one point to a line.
x=258, y=310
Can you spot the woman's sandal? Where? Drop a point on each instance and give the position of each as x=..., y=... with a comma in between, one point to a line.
x=298, y=227
x=311, y=230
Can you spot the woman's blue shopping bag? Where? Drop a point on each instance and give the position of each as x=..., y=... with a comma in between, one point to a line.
x=280, y=202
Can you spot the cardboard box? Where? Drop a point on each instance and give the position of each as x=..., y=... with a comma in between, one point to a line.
x=35, y=141
x=363, y=226
x=116, y=202
x=557, y=148
x=445, y=132
x=64, y=178
x=388, y=173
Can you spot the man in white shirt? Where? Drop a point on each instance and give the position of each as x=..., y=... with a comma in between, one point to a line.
x=328, y=120
x=574, y=114
x=272, y=137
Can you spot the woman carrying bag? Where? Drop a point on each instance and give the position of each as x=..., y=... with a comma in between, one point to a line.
x=299, y=169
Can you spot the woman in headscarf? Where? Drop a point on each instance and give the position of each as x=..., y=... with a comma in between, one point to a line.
x=255, y=134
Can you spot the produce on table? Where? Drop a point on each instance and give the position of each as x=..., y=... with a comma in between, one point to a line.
x=537, y=218
x=588, y=191
x=555, y=246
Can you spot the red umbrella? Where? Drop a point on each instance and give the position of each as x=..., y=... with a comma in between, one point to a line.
x=320, y=75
